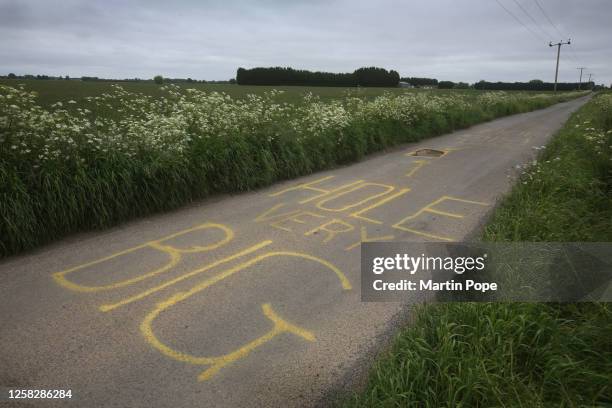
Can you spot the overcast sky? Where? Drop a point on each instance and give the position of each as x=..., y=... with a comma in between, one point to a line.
x=464, y=40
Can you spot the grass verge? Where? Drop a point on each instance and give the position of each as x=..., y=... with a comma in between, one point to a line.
x=519, y=355
x=95, y=163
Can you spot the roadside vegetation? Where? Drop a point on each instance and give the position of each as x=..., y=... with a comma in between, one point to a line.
x=519, y=355
x=76, y=166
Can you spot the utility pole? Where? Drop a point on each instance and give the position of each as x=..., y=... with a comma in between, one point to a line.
x=590, y=79
x=580, y=83
x=559, y=44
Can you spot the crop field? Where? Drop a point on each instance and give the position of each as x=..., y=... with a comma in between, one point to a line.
x=97, y=158
x=51, y=91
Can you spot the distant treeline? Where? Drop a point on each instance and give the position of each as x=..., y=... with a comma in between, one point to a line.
x=370, y=76
x=420, y=81
x=534, y=85
x=98, y=79
x=30, y=76
x=164, y=80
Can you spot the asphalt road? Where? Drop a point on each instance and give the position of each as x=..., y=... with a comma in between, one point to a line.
x=249, y=300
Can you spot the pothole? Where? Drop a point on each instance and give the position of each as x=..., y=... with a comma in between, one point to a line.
x=428, y=153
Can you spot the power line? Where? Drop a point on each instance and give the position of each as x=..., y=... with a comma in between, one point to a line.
x=572, y=56
x=532, y=19
x=520, y=22
x=536, y=34
x=548, y=18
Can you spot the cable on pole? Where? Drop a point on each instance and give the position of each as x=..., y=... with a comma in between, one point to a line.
x=548, y=18
x=572, y=55
x=546, y=33
x=537, y=35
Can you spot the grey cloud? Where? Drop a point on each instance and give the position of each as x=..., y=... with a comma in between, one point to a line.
x=447, y=39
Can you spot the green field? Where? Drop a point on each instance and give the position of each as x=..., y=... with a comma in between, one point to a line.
x=50, y=91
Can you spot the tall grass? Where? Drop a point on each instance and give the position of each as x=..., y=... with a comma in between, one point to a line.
x=566, y=195
x=76, y=166
x=491, y=355
x=519, y=355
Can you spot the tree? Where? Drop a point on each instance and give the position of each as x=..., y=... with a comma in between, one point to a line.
x=462, y=85
x=12, y=76
x=373, y=76
x=158, y=79
x=370, y=76
x=414, y=81
x=446, y=85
